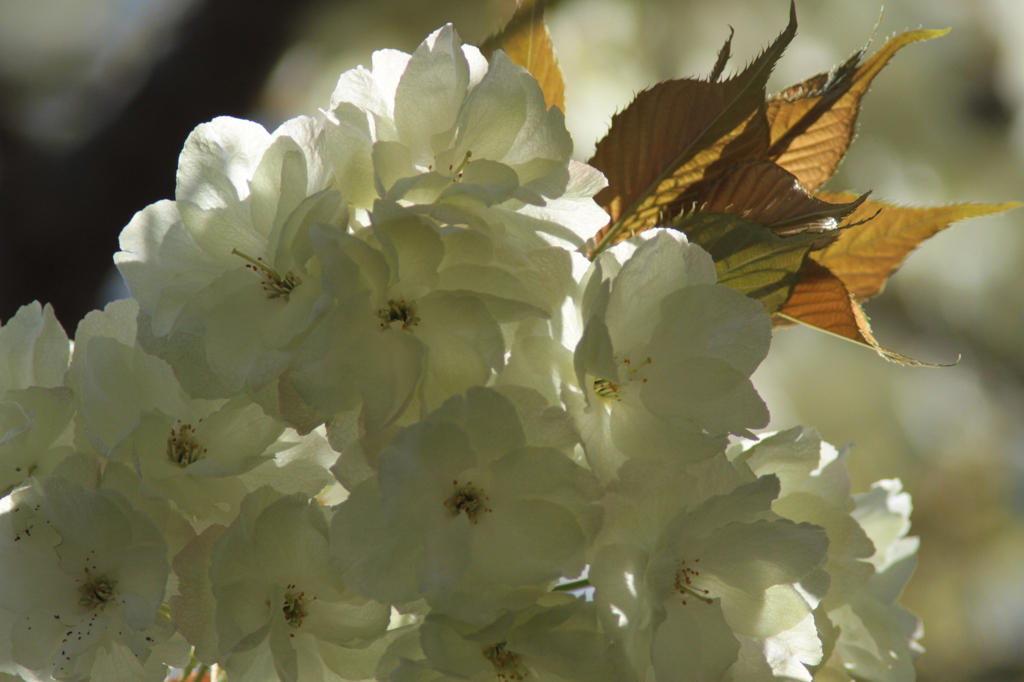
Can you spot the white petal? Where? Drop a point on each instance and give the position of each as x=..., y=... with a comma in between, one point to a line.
x=662, y=264
x=217, y=161
x=693, y=644
x=34, y=349
x=349, y=146
x=430, y=93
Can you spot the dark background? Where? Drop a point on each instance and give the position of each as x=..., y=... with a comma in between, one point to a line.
x=62, y=210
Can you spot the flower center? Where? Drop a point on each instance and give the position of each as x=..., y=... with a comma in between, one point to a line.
x=182, y=447
x=96, y=591
x=293, y=606
x=610, y=390
x=684, y=583
x=399, y=311
x=276, y=285
x=468, y=498
x=507, y=665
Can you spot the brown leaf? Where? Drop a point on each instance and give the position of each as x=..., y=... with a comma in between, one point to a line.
x=821, y=300
x=812, y=123
x=723, y=58
x=527, y=42
x=765, y=193
x=676, y=133
x=864, y=256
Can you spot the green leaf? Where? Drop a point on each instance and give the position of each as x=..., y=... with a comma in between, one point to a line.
x=748, y=256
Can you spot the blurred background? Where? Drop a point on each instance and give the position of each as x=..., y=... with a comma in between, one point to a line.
x=97, y=97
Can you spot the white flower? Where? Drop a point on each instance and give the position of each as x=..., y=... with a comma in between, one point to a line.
x=262, y=598
x=35, y=407
x=878, y=639
x=466, y=513
x=666, y=355
x=132, y=408
x=34, y=349
x=557, y=641
x=402, y=326
x=815, y=487
x=691, y=566
x=870, y=558
x=462, y=139
x=224, y=275
x=83, y=574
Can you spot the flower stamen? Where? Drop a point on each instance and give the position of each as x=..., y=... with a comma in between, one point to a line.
x=611, y=390
x=462, y=166
x=96, y=591
x=630, y=369
x=469, y=499
x=684, y=584
x=276, y=285
x=293, y=607
x=399, y=311
x=507, y=665
x=182, y=447
x=607, y=389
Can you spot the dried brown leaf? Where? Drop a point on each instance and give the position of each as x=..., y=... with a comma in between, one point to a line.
x=765, y=193
x=723, y=57
x=812, y=123
x=821, y=301
x=676, y=133
x=527, y=41
x=865, y=256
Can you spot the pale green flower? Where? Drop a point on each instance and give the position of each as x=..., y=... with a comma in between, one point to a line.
x=411, y=323
x=877, y=638
x=35, y=407
x=557, y=641
x=665, y=356
x=816, y=489
x=224, y=275
x=132, y=408
x=262, y=598
x=467, y=513
x=698, y=573
x=460, y=139
x=83, y=574
x=870, y=558
x=472, y=145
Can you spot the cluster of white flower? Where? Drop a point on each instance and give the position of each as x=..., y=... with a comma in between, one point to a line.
x=371, y=415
